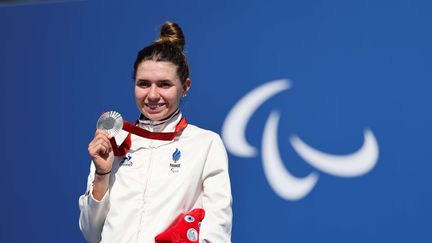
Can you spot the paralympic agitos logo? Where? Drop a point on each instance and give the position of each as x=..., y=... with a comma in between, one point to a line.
x=280, y=179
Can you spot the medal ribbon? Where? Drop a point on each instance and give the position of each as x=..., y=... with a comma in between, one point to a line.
x=132, y=128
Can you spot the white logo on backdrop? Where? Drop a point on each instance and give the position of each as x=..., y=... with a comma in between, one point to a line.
x=280, y=179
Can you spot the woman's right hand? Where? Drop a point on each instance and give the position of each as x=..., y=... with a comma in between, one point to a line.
x=101, y=152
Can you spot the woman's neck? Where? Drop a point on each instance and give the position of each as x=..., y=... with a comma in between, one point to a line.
x=159, y=125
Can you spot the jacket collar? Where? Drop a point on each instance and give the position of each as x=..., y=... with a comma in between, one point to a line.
x=165, y=125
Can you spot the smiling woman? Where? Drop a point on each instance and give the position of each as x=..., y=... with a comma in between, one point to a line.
x=161, y=74
x=168, y=168
x=158, y=89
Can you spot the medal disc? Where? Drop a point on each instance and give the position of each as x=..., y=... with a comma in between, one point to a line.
x=111, y=122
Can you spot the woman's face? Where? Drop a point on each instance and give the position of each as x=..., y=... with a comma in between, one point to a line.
x=158, y=89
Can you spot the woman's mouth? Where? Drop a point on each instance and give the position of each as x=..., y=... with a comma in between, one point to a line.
x=155, y=106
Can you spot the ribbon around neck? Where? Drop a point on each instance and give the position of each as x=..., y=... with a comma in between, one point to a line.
x=134, y=129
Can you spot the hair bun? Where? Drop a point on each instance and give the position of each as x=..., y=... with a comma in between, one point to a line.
x=171, y=33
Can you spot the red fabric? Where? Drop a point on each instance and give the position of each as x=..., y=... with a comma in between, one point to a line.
x=124, y=147
x=132, y=128
x=185, y=228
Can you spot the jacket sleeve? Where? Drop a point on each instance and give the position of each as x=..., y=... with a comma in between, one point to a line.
x=93, y=212
x=217, y=199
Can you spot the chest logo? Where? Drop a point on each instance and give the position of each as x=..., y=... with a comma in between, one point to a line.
x=175, y=164
x=126, y=161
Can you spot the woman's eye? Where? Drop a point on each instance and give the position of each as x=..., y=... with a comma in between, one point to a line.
x=143, y=84
x=165, y=85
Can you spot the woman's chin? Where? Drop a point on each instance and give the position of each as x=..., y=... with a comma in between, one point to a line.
x=155, y=116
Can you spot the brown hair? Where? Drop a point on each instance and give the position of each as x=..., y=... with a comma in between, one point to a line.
x=168, y=48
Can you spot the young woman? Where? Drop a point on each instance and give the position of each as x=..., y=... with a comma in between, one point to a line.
x=170, y=168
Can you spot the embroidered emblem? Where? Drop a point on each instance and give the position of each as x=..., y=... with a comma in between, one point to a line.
x=175, y=165
x=126, y=161
x=176, y=155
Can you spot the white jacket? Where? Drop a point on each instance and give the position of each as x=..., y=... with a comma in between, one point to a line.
x=149, y=190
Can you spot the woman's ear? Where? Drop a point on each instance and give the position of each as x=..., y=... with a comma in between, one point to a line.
x=186, y=86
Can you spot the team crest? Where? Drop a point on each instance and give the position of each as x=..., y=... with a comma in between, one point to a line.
x=175, y=165
x=126, y=161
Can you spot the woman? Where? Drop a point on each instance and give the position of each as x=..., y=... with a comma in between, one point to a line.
x=139, y=194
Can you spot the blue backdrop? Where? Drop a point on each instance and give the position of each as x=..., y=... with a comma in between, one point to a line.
x=349, y=70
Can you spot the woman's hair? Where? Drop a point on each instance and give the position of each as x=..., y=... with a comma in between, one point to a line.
x=168, y=48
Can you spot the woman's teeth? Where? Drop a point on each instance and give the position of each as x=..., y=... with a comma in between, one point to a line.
x=154, y=106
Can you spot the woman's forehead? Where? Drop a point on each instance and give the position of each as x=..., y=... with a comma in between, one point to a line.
x=156, y=69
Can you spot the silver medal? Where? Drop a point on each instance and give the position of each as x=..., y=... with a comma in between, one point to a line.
x=111, y=122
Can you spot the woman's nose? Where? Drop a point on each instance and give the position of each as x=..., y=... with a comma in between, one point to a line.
x=153, y=93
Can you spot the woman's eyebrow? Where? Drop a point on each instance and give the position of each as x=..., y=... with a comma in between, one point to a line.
x=158, y=81
x=164, y=80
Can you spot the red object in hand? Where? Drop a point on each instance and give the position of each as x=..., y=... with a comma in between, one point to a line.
x=185, y=229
